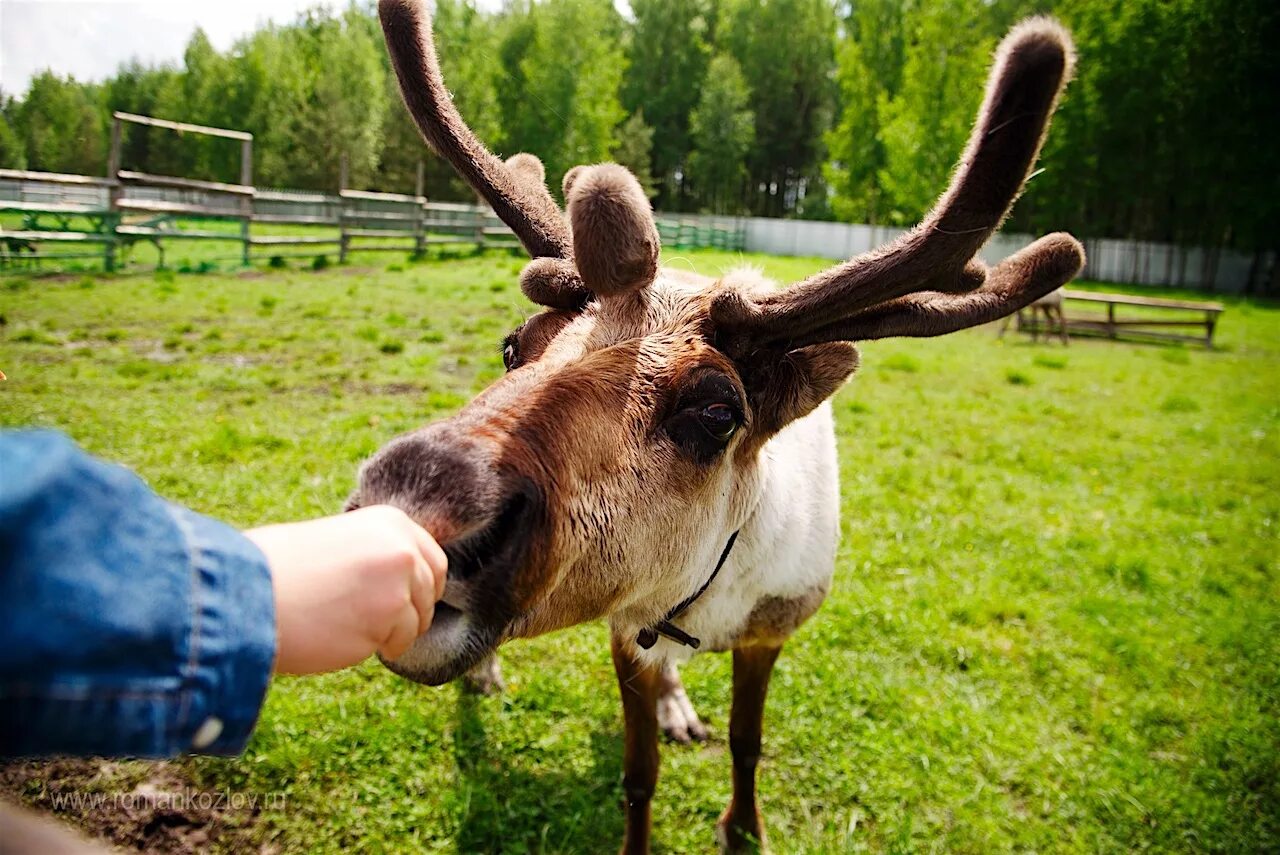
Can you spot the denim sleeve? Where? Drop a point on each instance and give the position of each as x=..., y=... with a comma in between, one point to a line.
x=129, y=626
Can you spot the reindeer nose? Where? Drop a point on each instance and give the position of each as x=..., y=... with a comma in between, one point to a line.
x=442, y=480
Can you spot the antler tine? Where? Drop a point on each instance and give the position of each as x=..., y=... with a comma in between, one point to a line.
x=528, y=210
x=1032, y=65
x=1013, y=284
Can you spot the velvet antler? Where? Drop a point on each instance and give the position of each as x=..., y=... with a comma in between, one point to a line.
x=924, y=283
x=515, y=189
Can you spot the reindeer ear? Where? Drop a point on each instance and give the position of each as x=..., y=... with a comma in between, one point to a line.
x=615, y=241
x=785, y=386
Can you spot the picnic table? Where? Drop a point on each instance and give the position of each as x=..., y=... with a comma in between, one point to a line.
x=1145, y=324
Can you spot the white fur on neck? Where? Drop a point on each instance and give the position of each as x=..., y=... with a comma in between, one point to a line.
x=787, y=546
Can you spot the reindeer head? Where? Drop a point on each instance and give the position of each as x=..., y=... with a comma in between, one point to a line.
x=603, y=474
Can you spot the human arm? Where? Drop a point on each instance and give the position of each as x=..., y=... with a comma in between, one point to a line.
x=132, y=626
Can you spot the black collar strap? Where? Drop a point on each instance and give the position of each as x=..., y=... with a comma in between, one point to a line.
x=649, y=635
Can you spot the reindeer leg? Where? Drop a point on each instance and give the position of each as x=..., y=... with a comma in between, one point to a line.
x=485, y=677
x=676, y=715
x=1062, y=328
x=638, y=684
x=740, y=828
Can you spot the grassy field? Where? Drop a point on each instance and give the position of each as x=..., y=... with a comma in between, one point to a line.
x=1055, y=624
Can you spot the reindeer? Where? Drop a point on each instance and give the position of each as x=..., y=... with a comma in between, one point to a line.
x=661, y=452
x=1051, y=305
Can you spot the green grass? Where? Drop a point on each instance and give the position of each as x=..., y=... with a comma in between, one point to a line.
x=1055, y=624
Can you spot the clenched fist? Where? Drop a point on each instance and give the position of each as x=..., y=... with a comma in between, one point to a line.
x=350, y=585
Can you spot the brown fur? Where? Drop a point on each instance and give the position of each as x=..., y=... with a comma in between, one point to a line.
x=935, y=259
x=788, y=386
x=530, y=214
x=554, y=282
x=638, y=685
x=615, y=241
x=528, y=169
x=582, y=476
x=740, y=828
x=774, y=619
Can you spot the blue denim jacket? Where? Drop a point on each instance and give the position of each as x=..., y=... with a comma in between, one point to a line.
x=129, y=626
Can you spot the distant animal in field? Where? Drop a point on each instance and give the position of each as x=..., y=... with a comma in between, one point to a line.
x=12, y=248
x=1051, y=306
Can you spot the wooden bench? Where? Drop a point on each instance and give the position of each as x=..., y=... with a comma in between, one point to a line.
x=54, y=208
x=23, y=243
x=1114, y=327
x=19, y=246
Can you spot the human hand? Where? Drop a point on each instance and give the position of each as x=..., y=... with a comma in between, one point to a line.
x=349, y=585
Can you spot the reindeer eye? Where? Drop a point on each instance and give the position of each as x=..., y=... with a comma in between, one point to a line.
x=510, y=356
x=719, y=420
x=707, y=414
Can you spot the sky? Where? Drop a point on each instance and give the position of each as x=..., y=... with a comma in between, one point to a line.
x=88, y=39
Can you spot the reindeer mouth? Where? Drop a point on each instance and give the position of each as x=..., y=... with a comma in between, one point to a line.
x=471, y=619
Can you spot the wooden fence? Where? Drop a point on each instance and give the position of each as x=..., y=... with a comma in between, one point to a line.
x=105, y=218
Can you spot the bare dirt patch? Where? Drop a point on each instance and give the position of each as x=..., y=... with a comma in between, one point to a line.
x=135, y=806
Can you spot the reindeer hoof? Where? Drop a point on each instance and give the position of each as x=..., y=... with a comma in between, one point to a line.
x=734, y=839
x=678, y=719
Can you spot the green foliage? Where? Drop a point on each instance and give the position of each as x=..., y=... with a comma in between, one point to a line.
x=1054, y=627
x=668, y=54
x=786, y=50
x=1157, y=137
x=13, y=152
x=61, y=126
x=346, y=102
x=469, y=61
x=722, y=131
x=925, y=124
x=560, y=99
x=859, y=110
x=857, y=152
x=633, y=150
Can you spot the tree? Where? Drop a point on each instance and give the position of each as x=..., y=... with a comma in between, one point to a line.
x=467, y=45
x=854, y=143
x=785, y=49
x=635, y=145
x=925, y=124
x=198, y=95
x=347, y=99
x=561, y=66
x=667, y=54
x=62, y=126
x=13, y=154
x=722, y=129
x=134, y=89
x=869, y=67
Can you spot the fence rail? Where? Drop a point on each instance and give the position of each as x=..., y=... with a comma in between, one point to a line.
x=75, y=209
x=135, y=206
x=1123, y=261
x=60, y=210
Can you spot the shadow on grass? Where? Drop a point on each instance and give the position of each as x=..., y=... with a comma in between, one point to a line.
x=508, y=806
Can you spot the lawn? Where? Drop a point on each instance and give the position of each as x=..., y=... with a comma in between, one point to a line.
x=1055, y=624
